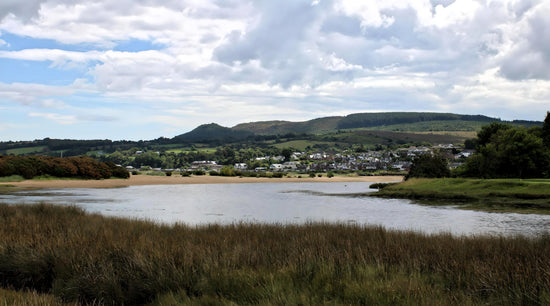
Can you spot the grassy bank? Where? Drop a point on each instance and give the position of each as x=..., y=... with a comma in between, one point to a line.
x=77, y=257
x=505, y=195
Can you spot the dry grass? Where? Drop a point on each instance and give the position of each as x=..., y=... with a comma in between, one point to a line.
x=85, y=258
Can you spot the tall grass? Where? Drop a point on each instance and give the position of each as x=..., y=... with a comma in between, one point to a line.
x=89, y=258
x=21, y=298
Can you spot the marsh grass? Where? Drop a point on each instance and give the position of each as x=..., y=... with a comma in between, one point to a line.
x=506, y=195
x=11, y=178
x=21, y=298
x=88, y=258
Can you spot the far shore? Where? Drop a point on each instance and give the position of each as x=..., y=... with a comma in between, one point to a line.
x=136, y=180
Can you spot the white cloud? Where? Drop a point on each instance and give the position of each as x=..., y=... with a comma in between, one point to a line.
x=28, y=94
x=58, y=118
x=527, y=53
x=237, y=60
x=490, y=93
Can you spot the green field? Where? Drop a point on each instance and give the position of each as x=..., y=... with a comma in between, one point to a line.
x=51, y=253
x=505, y=195
x=301, y=144
x=26, y=150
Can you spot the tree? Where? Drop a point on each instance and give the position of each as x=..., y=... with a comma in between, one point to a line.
x=286, y=153
x=546, y=131
x=520, y=154
x=431, y=166
x=489, y=131
x=508, y=152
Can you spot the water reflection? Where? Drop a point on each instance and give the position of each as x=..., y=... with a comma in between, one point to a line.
x=283, y=203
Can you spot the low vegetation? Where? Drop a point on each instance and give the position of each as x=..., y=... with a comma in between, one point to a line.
x=29, y=167
x=79, y=257
x=515, y=195
x=12, y=178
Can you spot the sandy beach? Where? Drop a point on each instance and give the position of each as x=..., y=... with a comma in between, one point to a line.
x=135, y=180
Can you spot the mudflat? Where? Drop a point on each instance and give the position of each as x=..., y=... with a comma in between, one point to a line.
x=135, y=180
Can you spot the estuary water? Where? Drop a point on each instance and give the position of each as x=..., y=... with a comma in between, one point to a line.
x=283, y=203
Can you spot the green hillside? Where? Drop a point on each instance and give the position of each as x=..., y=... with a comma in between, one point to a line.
x=314, y=126
x=213, y=131
x=377, y=119
x=394, y=121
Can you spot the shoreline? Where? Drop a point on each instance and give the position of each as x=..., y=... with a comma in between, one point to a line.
x=140, y=180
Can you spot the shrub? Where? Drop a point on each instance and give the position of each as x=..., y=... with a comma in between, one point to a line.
x=77, y=166
x=168, y=173
x=156, y=173
x=330, y=174
x=228, y=171
x=312, y=175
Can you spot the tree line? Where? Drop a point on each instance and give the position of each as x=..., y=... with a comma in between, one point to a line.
x=73, y=167
x=501, y=151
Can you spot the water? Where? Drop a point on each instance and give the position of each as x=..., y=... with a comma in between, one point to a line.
x=283, y=203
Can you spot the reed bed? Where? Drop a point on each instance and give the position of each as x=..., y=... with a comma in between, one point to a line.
x=91, y=259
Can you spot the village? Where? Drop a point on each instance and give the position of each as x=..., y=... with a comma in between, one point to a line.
x=370, y=161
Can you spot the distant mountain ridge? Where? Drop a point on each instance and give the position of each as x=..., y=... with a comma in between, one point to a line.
x=330, y=124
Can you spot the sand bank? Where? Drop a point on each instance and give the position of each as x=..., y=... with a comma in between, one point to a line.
x=135, y=180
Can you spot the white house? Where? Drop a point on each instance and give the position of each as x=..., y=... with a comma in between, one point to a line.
x=240, y=166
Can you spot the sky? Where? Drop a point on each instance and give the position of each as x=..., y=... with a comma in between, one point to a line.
x=143, y=69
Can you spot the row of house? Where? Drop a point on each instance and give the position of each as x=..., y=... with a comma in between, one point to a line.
x=399, y=160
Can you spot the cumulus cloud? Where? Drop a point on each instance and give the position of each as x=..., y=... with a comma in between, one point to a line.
x=279, y=59
x=529, y=52
x=22, y=9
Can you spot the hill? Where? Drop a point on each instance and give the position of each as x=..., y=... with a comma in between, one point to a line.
x=315, y=126
x=211, y=132
x=391, y=121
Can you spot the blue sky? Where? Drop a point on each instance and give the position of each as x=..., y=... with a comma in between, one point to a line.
x=145, y=69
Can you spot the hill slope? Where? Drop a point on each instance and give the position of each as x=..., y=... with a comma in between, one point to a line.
x=213, y=131
x=315, y=126
x=392, y=121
